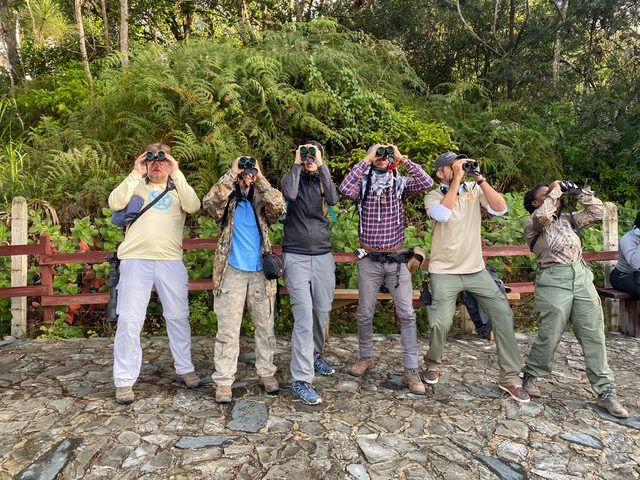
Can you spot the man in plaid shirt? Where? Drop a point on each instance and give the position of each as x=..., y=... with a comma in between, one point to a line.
x=379, y=192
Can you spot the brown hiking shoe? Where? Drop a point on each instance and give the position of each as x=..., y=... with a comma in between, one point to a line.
x=431, y=376
x=124, y=395
x=270, y=384
x=412, y=379
x=223, y=393
x=191, y=379
x=518, y=393
x=529, y=384
x=361, y=366
x=607, y=400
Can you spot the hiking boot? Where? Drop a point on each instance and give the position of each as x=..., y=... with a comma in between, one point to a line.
x=322, y=367
x=191, y=379
x=124, y=395
x=305, y=392
x=529, y=384
x=361, y=366
x=518, y=393
x=431, y=376
x=270, y=384
x=412, y=379
x=223, y=393
x=607, y=400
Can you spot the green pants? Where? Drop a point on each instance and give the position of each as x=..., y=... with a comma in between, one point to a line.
x=566, y=292
x=445, y=289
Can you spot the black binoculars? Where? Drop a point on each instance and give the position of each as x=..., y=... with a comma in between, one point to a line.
x=160, y=156
x=112, y=283
x=384, y=150
x=248, y=164
x=470, y=166
x=308, y=154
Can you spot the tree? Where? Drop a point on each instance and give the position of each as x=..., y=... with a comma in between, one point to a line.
x=124, y=32
x=81, y=38
x=8, y=34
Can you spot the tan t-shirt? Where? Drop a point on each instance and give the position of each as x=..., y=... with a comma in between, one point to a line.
x=157, y=234
x=456, y=246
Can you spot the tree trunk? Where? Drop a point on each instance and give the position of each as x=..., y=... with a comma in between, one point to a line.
x=562, y=6
x=242, y=11
x=300, y=12
x=83, y=47
x=9, y=35
x=105, y=25
x=124, y=32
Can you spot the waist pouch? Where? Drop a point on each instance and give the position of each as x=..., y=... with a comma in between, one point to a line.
x=402, y=256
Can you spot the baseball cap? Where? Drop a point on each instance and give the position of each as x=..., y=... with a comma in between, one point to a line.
x=447, y=158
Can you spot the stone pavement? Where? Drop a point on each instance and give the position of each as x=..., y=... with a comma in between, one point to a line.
x=58, y=418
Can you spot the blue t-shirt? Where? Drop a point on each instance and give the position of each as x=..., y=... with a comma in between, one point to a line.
x=245, y=241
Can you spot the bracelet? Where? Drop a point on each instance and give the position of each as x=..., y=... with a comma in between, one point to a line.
x=480, y=181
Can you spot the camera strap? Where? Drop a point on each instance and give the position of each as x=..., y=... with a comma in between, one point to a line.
x=237, y=195
x=170, y=186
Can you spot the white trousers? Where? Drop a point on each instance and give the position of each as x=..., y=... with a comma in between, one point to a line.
x=137, y=278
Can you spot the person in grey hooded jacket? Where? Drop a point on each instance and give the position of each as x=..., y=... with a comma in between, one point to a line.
x=309, y=265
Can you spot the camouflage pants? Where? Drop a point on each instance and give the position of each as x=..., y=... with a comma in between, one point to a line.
x=240, y=288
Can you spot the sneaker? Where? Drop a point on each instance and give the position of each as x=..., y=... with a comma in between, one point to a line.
x=191, y=379
x=607, y=400
x=223, y=393
x=124, y=395
x=412, y=379
x=270, y=384
x=322, y=367
x=361, y=366
x=305, y=392
x=431, y=376
x=518, y=393
x=529, y=384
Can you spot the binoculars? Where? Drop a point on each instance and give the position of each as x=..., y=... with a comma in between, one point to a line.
x=470, y=166
x=160, y=156
x=248, y=165
x=384, y=150
x=308, y=154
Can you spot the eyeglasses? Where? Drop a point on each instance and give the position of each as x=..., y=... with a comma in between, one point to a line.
x=383, y=150
x=157, y=157
x=245, y=162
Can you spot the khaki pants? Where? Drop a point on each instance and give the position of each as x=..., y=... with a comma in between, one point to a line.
x=566, y=292
x=238, y=288
x=445, y=289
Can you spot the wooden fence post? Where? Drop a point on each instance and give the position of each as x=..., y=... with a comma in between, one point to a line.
x=19, y=228
x=610, y=242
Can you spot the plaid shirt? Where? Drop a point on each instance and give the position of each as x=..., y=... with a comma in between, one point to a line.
x=382, y=218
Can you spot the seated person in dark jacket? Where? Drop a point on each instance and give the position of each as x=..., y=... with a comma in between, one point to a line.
x=626, y=276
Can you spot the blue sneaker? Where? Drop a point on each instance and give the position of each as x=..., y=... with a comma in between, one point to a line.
x=322, y=367
x=305, y=392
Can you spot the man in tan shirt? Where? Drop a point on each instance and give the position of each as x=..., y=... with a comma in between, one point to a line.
x=151, y=256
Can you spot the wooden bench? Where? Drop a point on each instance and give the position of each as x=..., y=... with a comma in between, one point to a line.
x=628, y=313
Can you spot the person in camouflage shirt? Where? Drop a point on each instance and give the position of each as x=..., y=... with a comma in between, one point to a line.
x=246, y=205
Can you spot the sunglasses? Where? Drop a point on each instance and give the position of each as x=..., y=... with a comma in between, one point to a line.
x=157, y=157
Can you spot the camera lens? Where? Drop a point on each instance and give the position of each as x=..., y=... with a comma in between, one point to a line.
x=149, y=156
x=303, y=150
x=242, y=162
x=251, y=160
x=161, y=155
x=470, y=165
x=380, y=151
x=389, y=150
x=312, y=150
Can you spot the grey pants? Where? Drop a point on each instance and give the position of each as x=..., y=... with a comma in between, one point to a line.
x=371, y=275
x=239, y=287
x=310, y=281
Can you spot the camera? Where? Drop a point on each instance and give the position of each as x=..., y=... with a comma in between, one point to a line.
x=360, y=253
x=160, y=156
x=248, y=165
x=470, y=166
x=386, y=153
x=308, y=154
x=112, y=283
